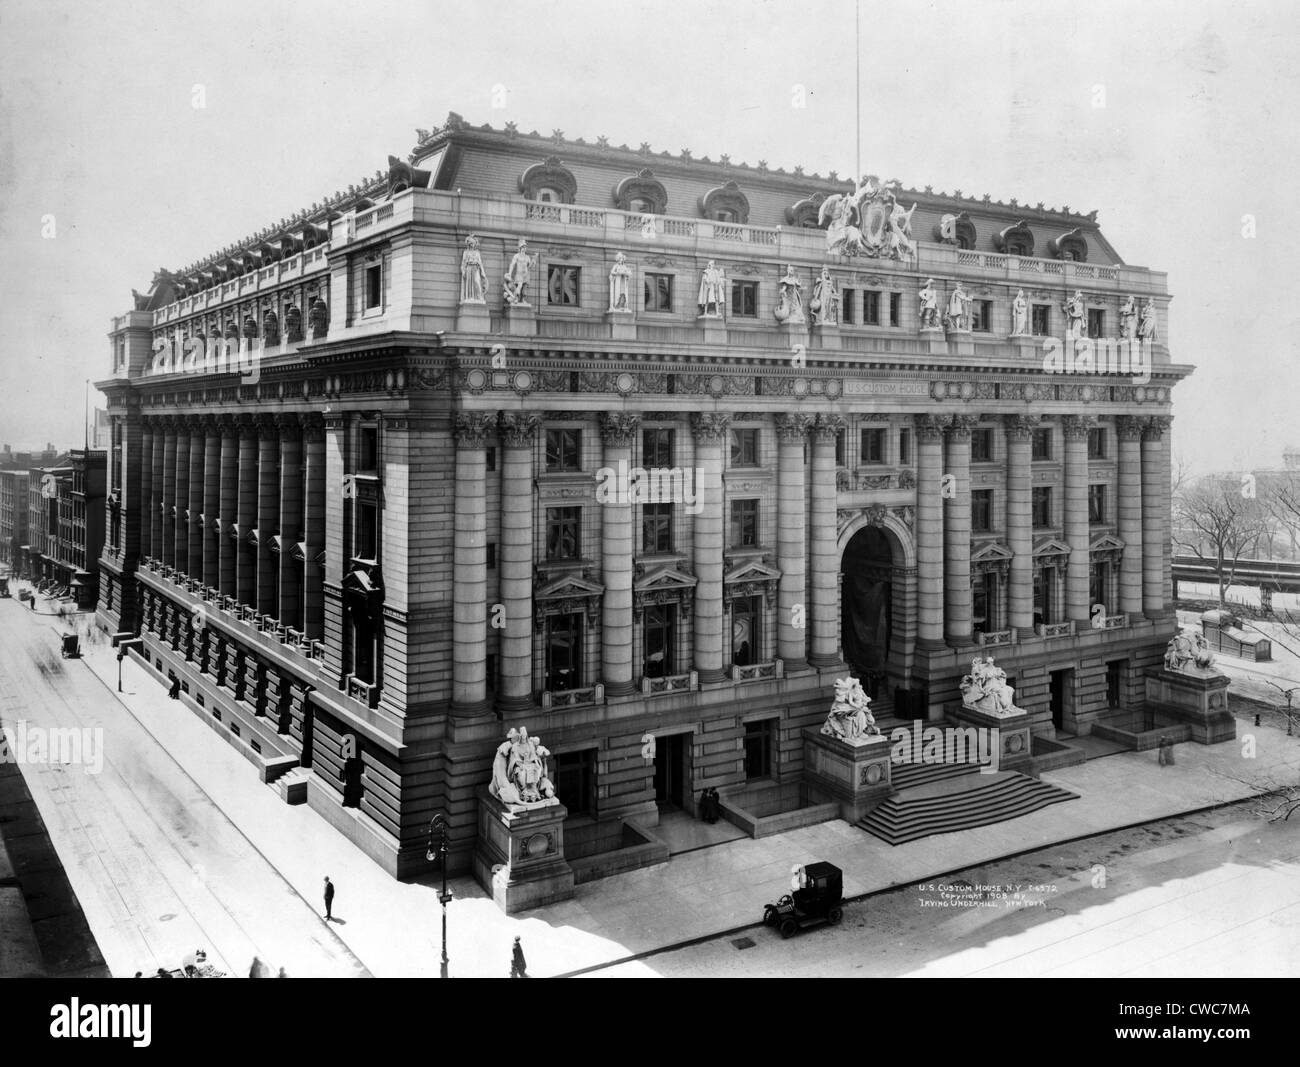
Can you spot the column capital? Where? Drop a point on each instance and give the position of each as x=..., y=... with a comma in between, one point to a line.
x=710, y=425
x=793, y=426
x=929, y=427
x=226, y=424
x=472, y=428
x=313, y=426
x=1129, y=427
x=246, y=426
x=1154, y=427
x=1077, y=426
x=828, y=427
x=288, y=425
x=266, y=425
x=518, y=429
x=961, y=425
x=618, y=428
x=1020, y=427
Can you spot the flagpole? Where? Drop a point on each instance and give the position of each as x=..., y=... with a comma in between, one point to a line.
x=857, y=86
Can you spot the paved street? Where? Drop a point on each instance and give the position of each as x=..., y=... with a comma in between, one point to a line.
x=1208, y=894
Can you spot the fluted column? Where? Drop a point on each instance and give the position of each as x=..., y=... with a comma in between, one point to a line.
x=929, y=530
x=167, y=503
x=228, y=506
x=1155, y=490
x=518, y=431
x=617, y=431
x=147, y=503
x=825, y=554
x=157, y=491
x=957, y=597
x=313, y=594
x=209, y=520
x=288, y=569
x=1129, y=430
x=268, y=513
x=1077, y=534
x=469, y=585
x=1020, y=532
x=194, y=505
x=180, y=557
x=246, y=514
x=791, y=547
x=710, y=429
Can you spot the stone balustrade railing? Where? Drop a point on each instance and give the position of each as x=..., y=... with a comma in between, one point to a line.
x=671, y=683
x=573, y=698
x=758, y=671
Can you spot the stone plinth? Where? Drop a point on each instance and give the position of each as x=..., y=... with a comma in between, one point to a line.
x=854, y=776
x=934, y=338
x=1200, y=700
x=827, y=337
x=521, y=320
x=714, y=327
x=622, y=325
x=519, y=857
x=473, y=318
x=1014, y=744
x=793, y=333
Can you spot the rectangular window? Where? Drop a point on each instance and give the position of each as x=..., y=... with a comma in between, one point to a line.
x=744, y=523
x=904, y=446
x=1114, y=680
x=982, y=315
x=658, y=640
x=1041, y=443
x=656, y=528
x=895, y=309
x=658, y=292
x=744, y=448
x=744, y=299
x=848, y=306
x=367, y=531
x=563, y=652
x=839, y=449
x=1045, y=595
x=984, y=603
x=575, y=780
x=657, y=448
x=981, y=510
x=1096, y=322
x=562, y=285
x=563, y=536
x=1098, y=584
x=1041, y=319
x=374, y=286
x=873, y=446
x=981, y=445
x=760, y=741
x=563, y=450
x=746, y=623
x=1097, y=443
x=1097, y=503
x=1042, y=506
x=870, y=308
x=368, y=460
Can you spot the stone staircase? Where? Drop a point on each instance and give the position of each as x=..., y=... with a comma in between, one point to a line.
x=958, y=798
x=291, y=786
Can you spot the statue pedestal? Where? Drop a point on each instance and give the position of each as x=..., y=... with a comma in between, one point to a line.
x=1015, y=747
x=521, y=320
x=793, y=333
x=473, y=318
x=519, y=857
x=934, y=337
x=960, y=343
x=854, y=776
x=1200, y=700
x=714, y=327
x=826, y=337
x=622, y=325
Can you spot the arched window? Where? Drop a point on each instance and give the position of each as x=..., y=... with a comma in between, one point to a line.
x=726, y=203
x=643, y=190
x=1017, y=240
x=552, y=178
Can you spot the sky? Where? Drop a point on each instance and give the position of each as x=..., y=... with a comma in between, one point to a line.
x=1177, y=122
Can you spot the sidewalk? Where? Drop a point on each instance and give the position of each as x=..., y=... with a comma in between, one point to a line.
x=393, y=927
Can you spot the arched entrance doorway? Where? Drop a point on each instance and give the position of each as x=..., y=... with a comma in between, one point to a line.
x=866, y=606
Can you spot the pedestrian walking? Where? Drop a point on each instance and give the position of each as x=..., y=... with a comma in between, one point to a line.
x=329, y=898
x=518, y=965
x=1163, y=755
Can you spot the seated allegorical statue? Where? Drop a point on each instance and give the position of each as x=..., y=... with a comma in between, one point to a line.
x=849, y=719
x=519, y=774
x=985, y=689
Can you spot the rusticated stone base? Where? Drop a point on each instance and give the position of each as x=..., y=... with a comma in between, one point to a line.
x=854, y=776
x=519, y=857
x=1199, y=700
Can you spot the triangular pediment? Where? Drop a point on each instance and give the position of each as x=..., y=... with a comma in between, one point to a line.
x=990, y=552
x=1107, y=543
x=752, y=571
x=664, y=579
x=1051, y=546
x=570, y=585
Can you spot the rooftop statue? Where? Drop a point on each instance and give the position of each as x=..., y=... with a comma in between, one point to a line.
x=1188, y=653
x=849, y=719
x=986, y=690
x=520, y=779
x=868, y=222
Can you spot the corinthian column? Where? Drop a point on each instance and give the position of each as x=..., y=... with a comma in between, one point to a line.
x=268, y=513
x=710, y=429
x=313, y=594
x=1077, y=534
x=1155, y=494
x=1020, y=594
x=791, y=549
x=518, y=431
x=157, y=490
x=469, y=586
x=210, y=532
x=957, y=597
x=167, y=504
x=617, y=431
x=1129, y=430
x=929, y=530
x=147, y=503
x=245, y=553
x=825, y=557
x=288, y=570
x=228, y=506
x=194, y=504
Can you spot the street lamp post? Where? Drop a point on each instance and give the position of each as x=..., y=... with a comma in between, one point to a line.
x=438, y=828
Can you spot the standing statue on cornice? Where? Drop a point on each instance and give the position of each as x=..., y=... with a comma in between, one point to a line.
x=1147, y=327
x=959, y=310
x=900, y=244
x=620, y=282
x=1128, y=317
x=1020, y=315
x=473, y=280
x=712, y=283
x=517, y=276
x=825, y=304
x=789, y=308
x=1074, y=316
x=928, y=298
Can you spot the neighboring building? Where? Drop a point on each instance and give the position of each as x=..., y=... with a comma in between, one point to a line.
x=45, y=485
x=80, y=541
x=396, y=531
x=13, y=515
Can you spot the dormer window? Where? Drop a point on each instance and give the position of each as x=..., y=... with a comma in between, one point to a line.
x=640, y=205
x=724, y=216
x=726, y=203
x=549, y=182
x=642, y=194
x=547, y=195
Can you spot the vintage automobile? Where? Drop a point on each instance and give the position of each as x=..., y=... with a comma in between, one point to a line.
x=817, y=896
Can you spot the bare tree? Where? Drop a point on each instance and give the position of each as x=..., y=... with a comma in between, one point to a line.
x=1216, y=522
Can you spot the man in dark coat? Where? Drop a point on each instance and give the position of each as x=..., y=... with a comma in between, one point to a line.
x=518, y=965
x=329, y=897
